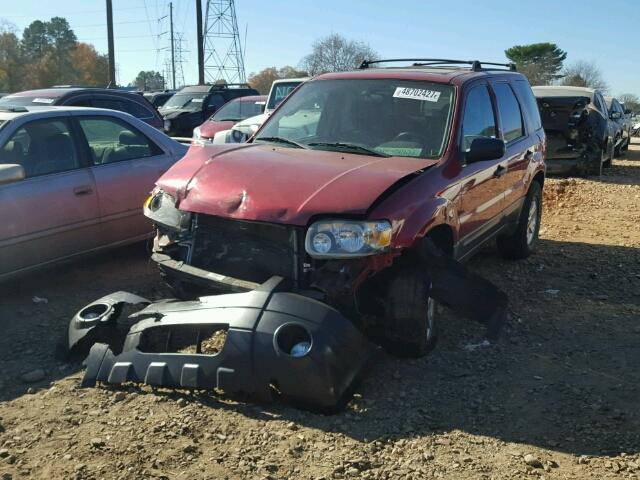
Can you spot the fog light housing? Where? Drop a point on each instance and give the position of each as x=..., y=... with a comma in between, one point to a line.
x=293, y=340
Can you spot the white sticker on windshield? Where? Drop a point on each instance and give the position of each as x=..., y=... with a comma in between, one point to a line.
x=197, y=100
x=417, y=94
x=48, y=101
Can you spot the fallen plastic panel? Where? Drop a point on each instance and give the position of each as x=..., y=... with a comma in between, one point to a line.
x=277, y=344
x=97, y=321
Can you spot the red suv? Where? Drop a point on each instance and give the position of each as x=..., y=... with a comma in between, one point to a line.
x=350, y=179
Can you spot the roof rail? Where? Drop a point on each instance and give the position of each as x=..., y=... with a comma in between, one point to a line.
x=13, y=109
x=475, y=65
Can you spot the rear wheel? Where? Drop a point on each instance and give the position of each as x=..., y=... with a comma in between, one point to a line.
x=522, y=242
x=411, y=314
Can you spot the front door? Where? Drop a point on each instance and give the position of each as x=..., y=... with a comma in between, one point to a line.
x=480, y=199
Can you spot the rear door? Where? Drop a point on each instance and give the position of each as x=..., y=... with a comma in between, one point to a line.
x=520, y=147
x=126, y=164
x=52, y=213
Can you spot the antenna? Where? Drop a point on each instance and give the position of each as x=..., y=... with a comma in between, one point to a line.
x=223, y=56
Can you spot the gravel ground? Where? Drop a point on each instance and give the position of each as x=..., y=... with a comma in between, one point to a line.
x=556, y=398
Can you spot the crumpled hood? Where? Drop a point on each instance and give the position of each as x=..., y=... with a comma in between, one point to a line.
x=283, y=185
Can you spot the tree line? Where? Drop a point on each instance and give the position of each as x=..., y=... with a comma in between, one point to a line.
x=48, y=53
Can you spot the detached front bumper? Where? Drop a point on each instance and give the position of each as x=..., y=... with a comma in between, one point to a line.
x=277, y=344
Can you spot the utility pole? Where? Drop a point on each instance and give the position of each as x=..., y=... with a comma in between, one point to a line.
x=173, y=51
x=112, y=60
x=200, y=43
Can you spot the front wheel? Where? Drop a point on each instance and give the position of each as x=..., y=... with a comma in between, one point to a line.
x=522, y=242
x=410, y=314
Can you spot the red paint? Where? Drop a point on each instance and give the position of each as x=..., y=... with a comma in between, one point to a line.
x=282, y=185
x=291, y=186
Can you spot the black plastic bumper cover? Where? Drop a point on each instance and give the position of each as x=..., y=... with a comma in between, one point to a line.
x=255, y=359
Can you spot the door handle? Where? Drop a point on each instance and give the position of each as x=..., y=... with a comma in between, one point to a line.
x=500, y=171
x=82, y=190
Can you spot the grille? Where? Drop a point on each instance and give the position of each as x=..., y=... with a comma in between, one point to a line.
x=252, y=251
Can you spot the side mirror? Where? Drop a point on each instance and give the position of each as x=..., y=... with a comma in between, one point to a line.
x=615, y=116
x=485, y=149
x=10, y=173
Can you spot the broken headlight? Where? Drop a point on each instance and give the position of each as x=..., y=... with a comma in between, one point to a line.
x=160, y=207
x=346, y=238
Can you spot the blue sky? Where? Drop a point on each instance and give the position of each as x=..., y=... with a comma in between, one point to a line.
x=280, y=32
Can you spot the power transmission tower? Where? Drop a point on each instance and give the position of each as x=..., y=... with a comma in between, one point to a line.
x=173, y=69
x=223, y=55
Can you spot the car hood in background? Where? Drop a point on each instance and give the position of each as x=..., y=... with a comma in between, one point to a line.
x=269, y=183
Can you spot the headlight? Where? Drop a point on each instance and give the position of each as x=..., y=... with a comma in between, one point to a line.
x=167, y=125
x=346, y=238
x=160, y=207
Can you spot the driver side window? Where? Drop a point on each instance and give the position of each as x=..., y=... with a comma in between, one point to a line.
x=478, y=120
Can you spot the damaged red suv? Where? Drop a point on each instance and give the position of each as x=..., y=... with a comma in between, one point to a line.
x=342, y=188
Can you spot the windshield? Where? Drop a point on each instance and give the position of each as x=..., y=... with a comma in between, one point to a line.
x=237, y=110
x=20, y=101
x=280, y=92
x=186, y=101
x=385, y=116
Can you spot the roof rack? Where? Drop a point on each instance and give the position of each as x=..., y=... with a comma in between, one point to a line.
x=14, y=109
x=475, y=65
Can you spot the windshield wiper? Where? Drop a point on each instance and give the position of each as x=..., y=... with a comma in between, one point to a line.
x=349, y=146
x=283, y=140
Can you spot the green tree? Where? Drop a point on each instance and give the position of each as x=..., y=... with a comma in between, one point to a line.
x=10, y=60
x=262, y=80
x=35, y=41
x=540, y=62
x=148, y=80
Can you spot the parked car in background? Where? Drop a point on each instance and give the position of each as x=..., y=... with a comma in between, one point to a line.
x=73, y=180
x=621, y=124
x=191, y=106
x=122, y=100
x=228, y=115
x=158, y=99
x=350, y=181
x=241, y=131
x=580, y=135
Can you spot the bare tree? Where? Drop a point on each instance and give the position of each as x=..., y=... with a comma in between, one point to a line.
x=336, y=53
x=584, y=74
x=631, y=101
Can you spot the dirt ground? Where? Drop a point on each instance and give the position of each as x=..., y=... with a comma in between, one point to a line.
x=558, y=397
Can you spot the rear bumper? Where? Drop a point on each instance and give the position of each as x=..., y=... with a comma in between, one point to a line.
x=564, y=166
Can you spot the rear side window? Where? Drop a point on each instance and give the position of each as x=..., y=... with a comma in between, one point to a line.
x=137, y=110
x=112, y=141
x=529, y=102
x=108, y=103
x=510, y=113
x=478, y=120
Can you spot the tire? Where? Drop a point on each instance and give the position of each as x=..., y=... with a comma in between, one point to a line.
x=523, y=241
x=617, y=151
x=411, y=314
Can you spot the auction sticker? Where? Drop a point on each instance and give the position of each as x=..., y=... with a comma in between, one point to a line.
x=417, y=94
x=48, y=101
